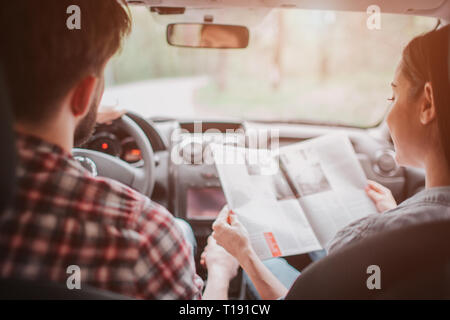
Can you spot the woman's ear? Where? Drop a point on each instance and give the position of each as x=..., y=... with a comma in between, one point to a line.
x=427, y=109
x=82, y=96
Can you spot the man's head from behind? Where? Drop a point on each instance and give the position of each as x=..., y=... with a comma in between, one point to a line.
x=55, y=73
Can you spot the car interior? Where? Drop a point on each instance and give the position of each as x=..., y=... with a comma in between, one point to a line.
x=156, y=146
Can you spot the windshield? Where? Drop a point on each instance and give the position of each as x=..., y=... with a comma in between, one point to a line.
x=310, y=66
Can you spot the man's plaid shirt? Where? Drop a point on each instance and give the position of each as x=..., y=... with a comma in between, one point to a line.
x=63, y=216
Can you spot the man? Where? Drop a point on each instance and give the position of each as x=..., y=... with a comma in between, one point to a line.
x=62, y=215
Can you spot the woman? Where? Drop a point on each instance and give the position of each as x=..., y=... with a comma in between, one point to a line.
x=419, y=123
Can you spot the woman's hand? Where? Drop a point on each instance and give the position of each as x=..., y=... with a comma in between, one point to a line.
x=381, y=196
x=218, y=261
x=231, y=235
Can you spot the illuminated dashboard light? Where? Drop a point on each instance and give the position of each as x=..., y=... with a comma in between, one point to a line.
x=105, y=146
x=136, y=152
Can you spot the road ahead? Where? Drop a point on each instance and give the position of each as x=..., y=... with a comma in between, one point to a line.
x=171, y=97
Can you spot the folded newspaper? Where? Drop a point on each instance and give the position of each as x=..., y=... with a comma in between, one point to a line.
x=295, y=199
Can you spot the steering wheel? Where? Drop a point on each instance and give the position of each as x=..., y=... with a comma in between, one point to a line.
x=140, y=179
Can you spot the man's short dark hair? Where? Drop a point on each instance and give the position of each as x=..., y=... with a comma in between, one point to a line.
x=43, y=59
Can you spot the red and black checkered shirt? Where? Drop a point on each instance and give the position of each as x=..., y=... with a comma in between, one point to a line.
x=64, y=216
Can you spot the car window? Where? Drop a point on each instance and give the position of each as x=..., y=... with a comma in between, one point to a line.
x=312, y=66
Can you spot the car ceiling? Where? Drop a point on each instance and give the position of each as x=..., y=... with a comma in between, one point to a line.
x=432, y=8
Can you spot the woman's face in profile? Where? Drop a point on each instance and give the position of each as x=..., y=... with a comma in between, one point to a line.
x=404, y=122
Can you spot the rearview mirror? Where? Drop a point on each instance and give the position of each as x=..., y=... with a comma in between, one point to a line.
x=198, y=35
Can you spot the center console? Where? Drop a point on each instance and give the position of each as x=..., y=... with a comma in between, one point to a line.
x=197, y=193
x=194, y=186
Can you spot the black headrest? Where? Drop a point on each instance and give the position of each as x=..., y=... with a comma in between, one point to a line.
x=7, y=147
x=413, y=264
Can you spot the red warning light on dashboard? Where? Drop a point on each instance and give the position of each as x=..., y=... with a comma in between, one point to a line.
x=273, y=245
x=105, y=146
x=136, y=152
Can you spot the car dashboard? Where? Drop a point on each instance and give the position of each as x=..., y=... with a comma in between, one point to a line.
x=187, y=181
x=111, y=139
